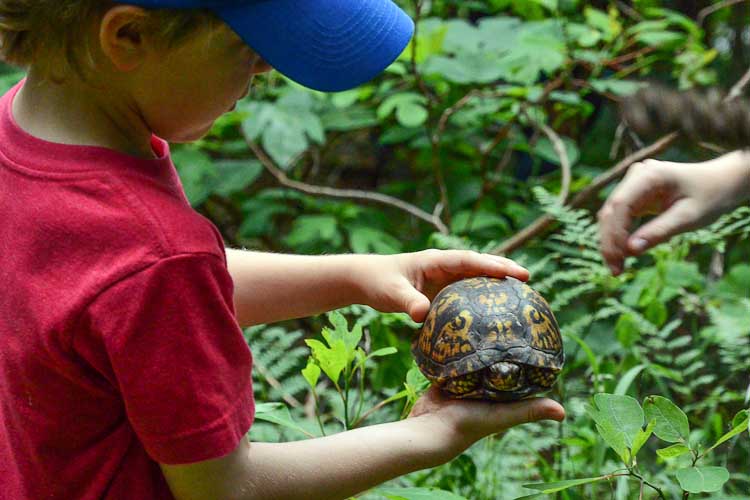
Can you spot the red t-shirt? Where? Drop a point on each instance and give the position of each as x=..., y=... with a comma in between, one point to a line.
x=119, y=345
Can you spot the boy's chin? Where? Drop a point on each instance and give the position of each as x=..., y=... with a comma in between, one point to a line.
x=188, y=136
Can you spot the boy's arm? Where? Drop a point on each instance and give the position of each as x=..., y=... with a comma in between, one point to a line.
x=342, y=465
x=273, y=287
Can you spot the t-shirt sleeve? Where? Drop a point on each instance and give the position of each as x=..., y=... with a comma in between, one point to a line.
x=178, y=357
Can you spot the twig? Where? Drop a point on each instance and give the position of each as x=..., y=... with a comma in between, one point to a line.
x=562, y=154
x=715, y=148
x=293, y=402
x=704, y=13
x=618, y=141
x=543, y=222
x=631, y=12
x=738, y=87
x=355, y=194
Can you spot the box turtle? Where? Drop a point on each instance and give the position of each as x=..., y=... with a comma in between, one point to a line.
x=487, y=338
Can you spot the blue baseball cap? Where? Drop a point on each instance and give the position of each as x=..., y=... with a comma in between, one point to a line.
x=328, y=45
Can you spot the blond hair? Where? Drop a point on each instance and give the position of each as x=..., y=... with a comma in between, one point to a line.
x=53, y=34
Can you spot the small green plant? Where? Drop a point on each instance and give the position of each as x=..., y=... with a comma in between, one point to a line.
x=626, y=427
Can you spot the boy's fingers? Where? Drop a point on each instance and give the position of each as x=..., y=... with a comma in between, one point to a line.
x=529, y=410
x=474, y=263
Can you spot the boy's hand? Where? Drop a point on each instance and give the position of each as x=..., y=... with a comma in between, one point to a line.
x=457, y=424
x=408, y=282
x=684, y=196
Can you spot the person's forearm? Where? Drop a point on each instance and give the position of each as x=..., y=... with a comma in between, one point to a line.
x=274, y=287
x=342, y=465
x=734, y=168
x=327, y=468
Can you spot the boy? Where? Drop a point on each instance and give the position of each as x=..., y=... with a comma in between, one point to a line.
x=123, y=370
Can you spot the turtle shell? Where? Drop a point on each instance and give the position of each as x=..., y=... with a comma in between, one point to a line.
x=487, y=338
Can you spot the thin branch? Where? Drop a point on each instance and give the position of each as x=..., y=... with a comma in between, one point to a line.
x=738, y=87
x=543, y=222
x=562, y=154
x=293, y=402
x=703, y=14
x=354, y=194
x=631, y=12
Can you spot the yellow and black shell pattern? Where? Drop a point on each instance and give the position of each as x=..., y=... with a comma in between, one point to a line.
x=488, y=338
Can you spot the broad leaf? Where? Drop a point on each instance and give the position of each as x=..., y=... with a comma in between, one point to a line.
x=702, y=479
x=673, y=451
x=618, y=419
x=671, y=422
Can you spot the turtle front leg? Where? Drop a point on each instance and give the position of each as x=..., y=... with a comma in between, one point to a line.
x=462, y=385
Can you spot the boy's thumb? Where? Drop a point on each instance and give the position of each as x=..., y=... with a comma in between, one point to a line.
x=530, y=410
x=415, y=304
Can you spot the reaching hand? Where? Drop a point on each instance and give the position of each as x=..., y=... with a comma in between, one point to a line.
x=408, y=282
x=463, y=422
x=684, y=197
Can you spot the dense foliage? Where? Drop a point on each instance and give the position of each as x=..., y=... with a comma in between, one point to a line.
x=502, y=116
x=500, y=113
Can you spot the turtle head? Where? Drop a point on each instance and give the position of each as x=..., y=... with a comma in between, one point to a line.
x=505, y=376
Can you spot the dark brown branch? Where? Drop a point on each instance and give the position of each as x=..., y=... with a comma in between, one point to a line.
x=543, y=222
x=354, y=194
x=703, y=14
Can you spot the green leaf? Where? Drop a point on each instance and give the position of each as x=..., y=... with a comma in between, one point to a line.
x=411, y=115
x=619, y=420
x=702, y=479
x=546, y=150
x=278, y=413
x=641, y=437
x=233, y=176
x=417, y=494
x=385, y=351
x=311, y=373
x=366, y=239
x=616, y=87
x=331, y=360
x=609, y=26
x=671, y=422
x=351, y=338
x=740, y=424
x=562, y=485
x=310, y=229
x=197, y=173
x=673, y=451
x=627, y=379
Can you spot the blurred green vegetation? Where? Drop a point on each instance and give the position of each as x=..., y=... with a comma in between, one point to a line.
x=467, y=129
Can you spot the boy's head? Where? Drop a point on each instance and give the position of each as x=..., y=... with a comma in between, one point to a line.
x=183, y=63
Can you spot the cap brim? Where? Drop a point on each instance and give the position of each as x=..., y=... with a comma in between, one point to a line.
x=327, y=45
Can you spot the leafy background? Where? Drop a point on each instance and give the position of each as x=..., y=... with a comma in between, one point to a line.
x=497, y=130
x=458, y=145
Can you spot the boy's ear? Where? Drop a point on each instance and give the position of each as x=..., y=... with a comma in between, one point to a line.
x=121, y=36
